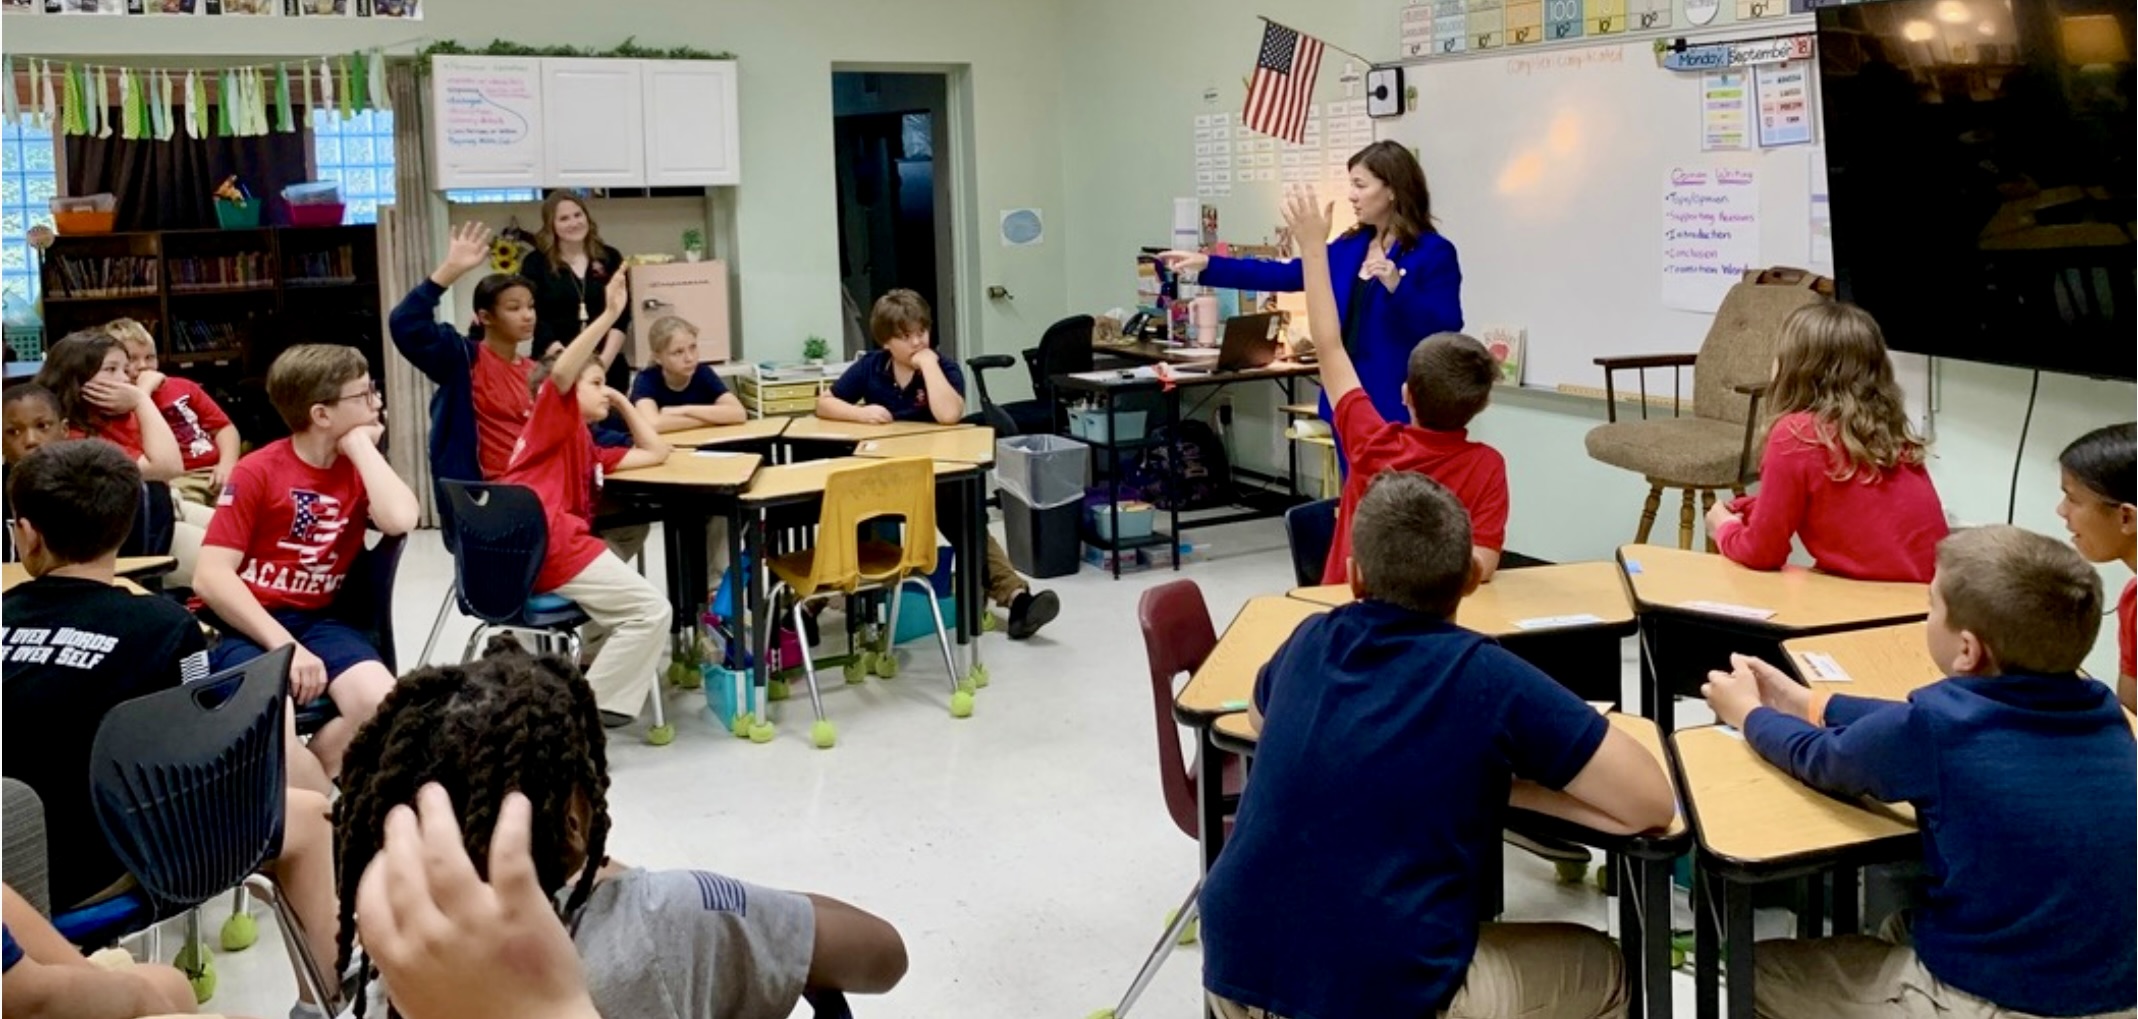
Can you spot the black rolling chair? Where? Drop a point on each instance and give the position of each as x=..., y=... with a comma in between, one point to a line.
x=154, y=523
x=1064, y=349
x=1311, y=529
x=998, y=416
x=188, y=785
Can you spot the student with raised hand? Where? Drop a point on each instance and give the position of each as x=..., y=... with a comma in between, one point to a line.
x=2100, y=483
x=1842, y=470
x=655, y=944
x=1379, y=883
x=86, y=370
x=2020, y=772
x=556, y=457
x=676, y=392
x=482, y=402
x=1449, y=382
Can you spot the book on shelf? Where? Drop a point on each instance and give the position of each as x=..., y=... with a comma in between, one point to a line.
x=242, y=271
x=323, y=268
x=102, y=275
x=195, y=337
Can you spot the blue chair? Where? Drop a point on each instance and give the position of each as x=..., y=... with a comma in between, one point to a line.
x=499, y=535
x=188, y=785
x=1311, y=529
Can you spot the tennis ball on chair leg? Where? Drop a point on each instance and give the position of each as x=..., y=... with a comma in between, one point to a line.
x=661, y=735
x=961, y=704
x=776, y=690
x=823, y=734
x=240, y=932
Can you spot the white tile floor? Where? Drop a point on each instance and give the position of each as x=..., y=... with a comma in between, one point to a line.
x=1024, y=853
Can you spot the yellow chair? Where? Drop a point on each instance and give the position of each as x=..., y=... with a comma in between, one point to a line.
x=844, y=562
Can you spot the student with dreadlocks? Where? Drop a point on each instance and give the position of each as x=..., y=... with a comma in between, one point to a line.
x=683, y=944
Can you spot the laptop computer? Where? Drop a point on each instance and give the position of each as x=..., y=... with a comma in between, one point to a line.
x=1250, y=342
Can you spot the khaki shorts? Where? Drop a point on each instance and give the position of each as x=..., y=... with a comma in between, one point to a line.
x=1856, y=976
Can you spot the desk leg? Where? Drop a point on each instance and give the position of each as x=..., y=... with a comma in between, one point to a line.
x=743, y=628
x=971, y=574
x=753, y=591
x=1172, y=398
x=1209, y=796
x=1655, y=877
x=1737, y=926
x=1848, y=908
x=1656, y=702
x=1707, y=945
x=1291, y=449
x=1811, y=918
x=1630, y=876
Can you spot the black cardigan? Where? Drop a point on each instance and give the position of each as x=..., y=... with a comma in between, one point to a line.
x=557, y=291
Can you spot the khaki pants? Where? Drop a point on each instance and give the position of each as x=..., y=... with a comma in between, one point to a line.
x=630, y=621
x=193, y=508
x=1003, y=582
x=1856, y=976
x=1524, y=971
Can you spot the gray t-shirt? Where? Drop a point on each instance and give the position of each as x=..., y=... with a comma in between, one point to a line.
x=687, y=944
x=691, y=944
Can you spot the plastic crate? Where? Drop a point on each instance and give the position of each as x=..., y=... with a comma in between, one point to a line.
x=1089, y=425
x=26, y=343
x=326, y=214
x=1137, y=521
x=231, y=216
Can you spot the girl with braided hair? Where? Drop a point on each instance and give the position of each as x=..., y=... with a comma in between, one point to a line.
x=686, y=944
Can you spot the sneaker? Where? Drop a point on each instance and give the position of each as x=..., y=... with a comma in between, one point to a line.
x=1029, y=612
x=616, y=719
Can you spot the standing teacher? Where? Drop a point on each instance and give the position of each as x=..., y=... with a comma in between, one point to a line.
x=1397, y=281
x=570, y=269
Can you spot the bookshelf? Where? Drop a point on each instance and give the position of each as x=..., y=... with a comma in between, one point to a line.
x=221, y=302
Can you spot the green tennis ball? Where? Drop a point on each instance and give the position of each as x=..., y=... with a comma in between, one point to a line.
x=961, y=704
x=240, y=932
x=762, y=732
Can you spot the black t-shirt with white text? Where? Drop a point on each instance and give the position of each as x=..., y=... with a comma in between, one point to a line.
x=71, y=650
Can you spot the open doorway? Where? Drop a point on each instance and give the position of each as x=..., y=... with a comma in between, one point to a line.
x=892, y=137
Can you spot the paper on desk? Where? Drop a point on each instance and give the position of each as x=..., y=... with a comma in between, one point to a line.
x=1722, y=608
x=1145, y=372
x=1554, y=622
x=714, y=453
x=1820, y=667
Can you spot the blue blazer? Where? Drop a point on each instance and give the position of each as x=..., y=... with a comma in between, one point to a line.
x=1427, y=300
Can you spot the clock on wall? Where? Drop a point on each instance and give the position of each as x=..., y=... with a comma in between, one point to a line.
x=1384, y=92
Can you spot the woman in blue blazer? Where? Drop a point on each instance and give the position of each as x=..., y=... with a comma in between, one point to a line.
x=1397, y=281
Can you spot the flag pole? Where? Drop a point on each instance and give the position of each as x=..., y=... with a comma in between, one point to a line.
x=1370, y=62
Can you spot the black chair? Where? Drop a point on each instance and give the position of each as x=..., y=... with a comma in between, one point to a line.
x=1311, y=529
x=154, y=523
x=188, y=785
x=992, y=414
x=1064, y=349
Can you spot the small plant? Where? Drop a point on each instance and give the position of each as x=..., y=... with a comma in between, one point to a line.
x=816, y=349
x=694, y=239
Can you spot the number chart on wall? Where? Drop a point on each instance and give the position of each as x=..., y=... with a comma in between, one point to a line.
x=1462, y=27
x=1578, y=184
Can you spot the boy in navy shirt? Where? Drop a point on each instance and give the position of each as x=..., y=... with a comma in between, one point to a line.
x=904, y=380
x=2019, y=770
x=1392, y=741
x=676, y=392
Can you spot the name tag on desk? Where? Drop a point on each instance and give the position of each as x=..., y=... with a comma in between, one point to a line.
x=1820, y=667
x=867, y=447
x=1557, y=622
x=1722, y=608
x=714, y=453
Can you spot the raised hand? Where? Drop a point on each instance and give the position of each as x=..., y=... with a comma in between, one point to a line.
x=1307, y=218
x=467, y=248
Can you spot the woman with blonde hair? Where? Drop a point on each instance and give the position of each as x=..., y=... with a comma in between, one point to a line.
x=1843, y=469
x=569, y=268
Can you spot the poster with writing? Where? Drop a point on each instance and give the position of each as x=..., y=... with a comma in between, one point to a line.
x=1643, y=15
x=1603, y=17
x=1488, y=24
x=1562, y=19
x=1725, y=111
x=1451, y=27
x=487, y=122
x=1710, y=234
x=1525, y=22
x=1822, y=214
x=1784, y=103
x=1417, y=30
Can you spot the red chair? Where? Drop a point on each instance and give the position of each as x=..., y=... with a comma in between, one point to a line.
x=1177, y=636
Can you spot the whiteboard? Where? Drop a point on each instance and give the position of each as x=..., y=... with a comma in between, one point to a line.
x=486, y=122
x=1548, y=171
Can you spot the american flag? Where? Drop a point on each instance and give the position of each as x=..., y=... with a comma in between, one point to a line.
x=314, y=525
x=1283, y=81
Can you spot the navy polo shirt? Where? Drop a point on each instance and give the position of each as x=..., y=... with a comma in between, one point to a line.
x=1352, y=883
x=703, y=390
x=869, y=380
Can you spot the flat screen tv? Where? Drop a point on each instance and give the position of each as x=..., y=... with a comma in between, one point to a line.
x=1979, y=159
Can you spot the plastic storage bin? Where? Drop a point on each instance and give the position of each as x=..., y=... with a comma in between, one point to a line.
x=85, y=214
x=1042, y=542
x=1043, y=471
x=1137, y=519
x=329, y=214
x=1089, y=424
x=231, y=216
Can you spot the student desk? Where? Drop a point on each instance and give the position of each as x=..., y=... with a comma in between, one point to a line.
x=961, y=509
x=755, y=430
x=1112, y=384
x=1643, y=880
x=799, y=488
x=815, y=429
x=687, y=490
x=130, y=568
x=1755, y=824
x=1684, y=601
x=1888, y=663
x=1566, y=619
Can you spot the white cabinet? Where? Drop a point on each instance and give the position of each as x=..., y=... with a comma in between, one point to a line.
x=691, y=133
x=593, y=123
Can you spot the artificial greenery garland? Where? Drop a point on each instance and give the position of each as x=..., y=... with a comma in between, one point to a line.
x=629, y=49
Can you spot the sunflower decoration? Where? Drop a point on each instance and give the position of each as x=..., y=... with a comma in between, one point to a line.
x=510, y=249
